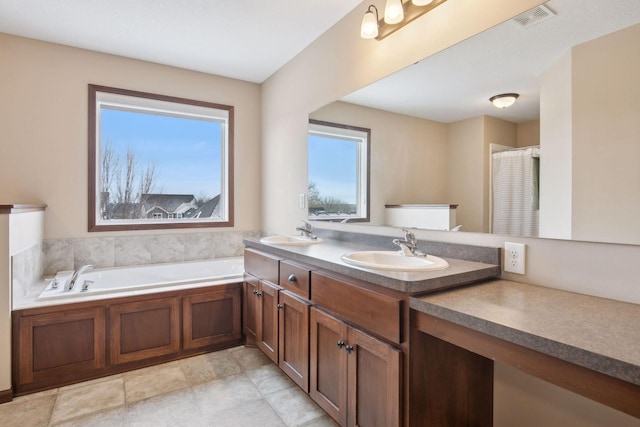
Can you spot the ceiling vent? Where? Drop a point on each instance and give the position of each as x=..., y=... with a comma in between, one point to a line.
x=533, y=16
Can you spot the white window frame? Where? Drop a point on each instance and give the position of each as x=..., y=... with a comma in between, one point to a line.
x=362, y=137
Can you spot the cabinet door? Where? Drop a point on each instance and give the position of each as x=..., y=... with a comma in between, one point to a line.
x=250, y=308
x=211, y=318
x=328, y=359
x=144, y=329
x=294, y=338
x=62, y=345
x=267, y=333
x=374, y=381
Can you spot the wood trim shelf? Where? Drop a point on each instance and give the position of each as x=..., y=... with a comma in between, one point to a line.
x=20, y=208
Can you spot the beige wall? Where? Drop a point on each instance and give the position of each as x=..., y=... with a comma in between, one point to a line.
x=408, y=155
x=338, y=63
x=43, y=137
x=555, y=149
x=606, y=138
x=465, y=169
x=528, y=133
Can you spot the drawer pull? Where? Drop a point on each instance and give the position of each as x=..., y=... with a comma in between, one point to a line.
x=349, y=349
x=340, y=344
x=293, y=278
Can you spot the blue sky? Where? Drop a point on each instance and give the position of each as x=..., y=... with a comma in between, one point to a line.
x=186, y=152
x=333, y=167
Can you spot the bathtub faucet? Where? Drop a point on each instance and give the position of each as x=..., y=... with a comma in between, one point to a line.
x=409, y=244
x=72, y=280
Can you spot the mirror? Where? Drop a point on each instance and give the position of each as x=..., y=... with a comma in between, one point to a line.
x=433, y=128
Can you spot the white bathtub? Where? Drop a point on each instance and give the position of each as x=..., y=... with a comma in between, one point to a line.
x=136, y=278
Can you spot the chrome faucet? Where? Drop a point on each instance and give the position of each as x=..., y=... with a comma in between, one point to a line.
x=306, y=230
x=409, y=245
x=74, y=276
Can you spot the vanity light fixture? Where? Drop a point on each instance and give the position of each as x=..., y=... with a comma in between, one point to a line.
x=397, y=14
x=504, y=100
x=369, y=27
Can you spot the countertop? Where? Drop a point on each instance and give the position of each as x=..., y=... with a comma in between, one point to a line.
x=326, y=255
x=596, y=333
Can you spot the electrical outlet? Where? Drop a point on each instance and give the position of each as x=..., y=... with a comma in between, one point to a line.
x=514, y=257
x=301, y=200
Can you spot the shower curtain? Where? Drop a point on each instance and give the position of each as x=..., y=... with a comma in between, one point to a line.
x=515, y=184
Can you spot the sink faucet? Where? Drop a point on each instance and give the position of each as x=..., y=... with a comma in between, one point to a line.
x=72, y=280
x=306, y=230
x=409, y=245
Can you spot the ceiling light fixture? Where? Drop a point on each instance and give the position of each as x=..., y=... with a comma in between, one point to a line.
x=397, y=14
x=504, y=100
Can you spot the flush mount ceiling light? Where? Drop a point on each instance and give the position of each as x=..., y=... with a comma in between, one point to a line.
x=397, y=14
x=504, y=100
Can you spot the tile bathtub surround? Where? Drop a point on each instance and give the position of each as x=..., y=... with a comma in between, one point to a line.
x=120, y=251
x=27, y=268
x=234, y=387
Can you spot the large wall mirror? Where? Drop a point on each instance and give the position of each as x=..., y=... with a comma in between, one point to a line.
x=572, y=136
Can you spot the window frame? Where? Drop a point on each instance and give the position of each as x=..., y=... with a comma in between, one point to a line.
x=363, y=170
x=227, y=162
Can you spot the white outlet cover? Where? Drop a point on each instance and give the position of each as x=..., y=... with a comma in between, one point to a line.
x=514, y=257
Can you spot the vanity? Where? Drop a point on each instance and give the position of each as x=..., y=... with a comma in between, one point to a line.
x=342, y=333
x=395, y=348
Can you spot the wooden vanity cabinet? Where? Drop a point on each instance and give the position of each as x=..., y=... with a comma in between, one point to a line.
x=293, y=343
x=261, y=315
x=276, y=318
x=355, y=377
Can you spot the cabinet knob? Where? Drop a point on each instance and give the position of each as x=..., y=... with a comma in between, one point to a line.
x=340, y=344
x=258, y=293
x=279, y=306
x=293, y=278
x=349, y=349
x=255, y=292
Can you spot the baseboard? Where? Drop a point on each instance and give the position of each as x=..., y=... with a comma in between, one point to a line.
x=6, y=396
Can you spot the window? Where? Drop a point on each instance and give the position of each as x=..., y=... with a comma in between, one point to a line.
x=158, y=162
x=338, y=172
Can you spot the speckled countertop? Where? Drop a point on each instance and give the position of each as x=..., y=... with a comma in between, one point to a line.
x=596, y=333
x=327, y=256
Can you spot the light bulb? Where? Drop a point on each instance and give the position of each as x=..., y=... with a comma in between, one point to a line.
x=421, y=2
x=369, y=27
x=393, y=12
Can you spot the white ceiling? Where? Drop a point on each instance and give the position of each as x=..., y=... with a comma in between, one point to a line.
x=243, y=39
x=457, y=83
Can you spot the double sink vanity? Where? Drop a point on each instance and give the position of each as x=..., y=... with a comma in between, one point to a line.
x=380, y=337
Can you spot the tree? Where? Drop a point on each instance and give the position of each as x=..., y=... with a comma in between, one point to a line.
x=123, y=184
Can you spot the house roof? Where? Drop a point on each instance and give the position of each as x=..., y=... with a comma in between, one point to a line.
x=210, y=209
x=168, y=202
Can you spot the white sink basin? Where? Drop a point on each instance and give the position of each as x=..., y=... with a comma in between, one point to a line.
x=394, y=261
x=290, y=240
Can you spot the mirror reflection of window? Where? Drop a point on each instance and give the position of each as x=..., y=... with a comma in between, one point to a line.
x=338, y=185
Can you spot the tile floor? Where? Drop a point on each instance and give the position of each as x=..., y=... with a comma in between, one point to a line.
x=236, y=387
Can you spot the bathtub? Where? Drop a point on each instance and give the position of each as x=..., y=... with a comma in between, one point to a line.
x=147, y=277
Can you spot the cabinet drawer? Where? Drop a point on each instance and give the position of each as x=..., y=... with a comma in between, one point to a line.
x=295, y=279
x=261, y=265
x=371, y=310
